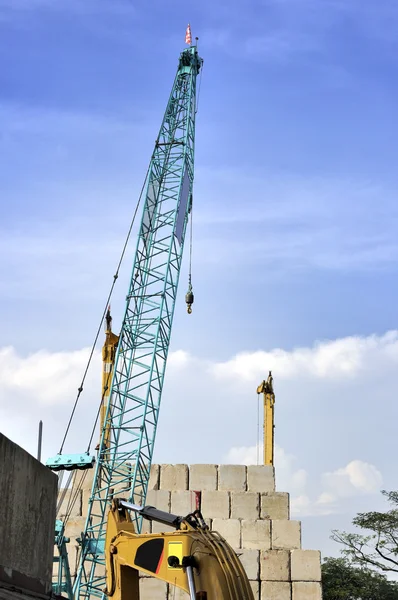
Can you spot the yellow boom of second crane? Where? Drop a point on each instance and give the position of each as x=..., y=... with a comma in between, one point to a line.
x=266, y=388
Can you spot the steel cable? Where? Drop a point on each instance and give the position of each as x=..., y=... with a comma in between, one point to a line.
x=115, y=277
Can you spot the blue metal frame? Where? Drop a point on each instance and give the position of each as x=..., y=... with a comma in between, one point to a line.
x=123, y=466
x=62, y=582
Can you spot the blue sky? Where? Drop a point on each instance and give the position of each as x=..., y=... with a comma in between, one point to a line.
x=295, y=231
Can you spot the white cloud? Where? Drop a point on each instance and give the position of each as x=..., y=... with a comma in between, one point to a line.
x=356, y=477
x=212, y=399
x=46, y=378
x=329, y=360
x=244, y=455
x=288, y=476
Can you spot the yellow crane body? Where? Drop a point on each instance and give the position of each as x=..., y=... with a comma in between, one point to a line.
x=266, y=388
x=192, y=558
x=108, y=363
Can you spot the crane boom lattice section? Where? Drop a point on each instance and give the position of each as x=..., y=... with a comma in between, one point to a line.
x=131, y=417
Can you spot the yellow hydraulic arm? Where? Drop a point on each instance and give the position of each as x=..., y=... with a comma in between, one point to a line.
x=266, y=388
x=193, y=558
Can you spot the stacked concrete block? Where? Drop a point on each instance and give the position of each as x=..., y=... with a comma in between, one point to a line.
x=203, y=478
x=305, y=565
x=232, y=478
x=241, y=504
x=275, y=506
x=151, y=589
x=245, y=505
x=285, y=534
x=230, y=529
x=275, y=565
x=216, y=504
x=256, y=534
x=174, y=477
x=260, y=478
x=69, y=503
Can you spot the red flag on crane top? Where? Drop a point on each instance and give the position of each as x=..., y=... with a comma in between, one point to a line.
x=188, y=36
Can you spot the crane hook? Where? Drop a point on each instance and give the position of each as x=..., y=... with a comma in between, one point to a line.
x=189, y=298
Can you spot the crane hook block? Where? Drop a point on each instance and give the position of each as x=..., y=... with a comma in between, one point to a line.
x=189, y=298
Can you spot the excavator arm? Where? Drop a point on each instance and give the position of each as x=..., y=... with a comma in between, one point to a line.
x=192, y=557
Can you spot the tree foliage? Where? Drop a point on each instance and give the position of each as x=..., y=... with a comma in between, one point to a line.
x=379, y=546
x=341, y=580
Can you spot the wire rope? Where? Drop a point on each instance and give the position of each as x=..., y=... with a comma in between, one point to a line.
x=64, y=492
x=106, y=387
x=199, y=86
x=115, y=277
x=190, y=245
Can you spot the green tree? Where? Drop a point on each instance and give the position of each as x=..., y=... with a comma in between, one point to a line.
x=343, y=581
x=379, y=546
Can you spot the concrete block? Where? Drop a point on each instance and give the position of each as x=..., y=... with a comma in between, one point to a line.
x=255, y=585
x=232, y=478
x=146, y=526
x=306, y=590
x=174, y=477
x=306, y=565
x=260, y=478
x=256, y=535
x=151, y=588
x=276, y=590
x=74, y=528
x=121, y=485
x=183, y=503
x=160, y=528
x=154, y=478
x=215, y=505
x=245, y=505
x=250, y=560
x=72, y=557
x=229, y=529
x=286, y=535
x=87, y=482
x=275, y=565
x=176, y=593
x=159, y=499
x=76, y=509
x=28, y=495
x=275, y=505
x=203, y=478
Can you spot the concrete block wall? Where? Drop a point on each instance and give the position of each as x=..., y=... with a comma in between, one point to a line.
x=242, y=505
x=28, y=497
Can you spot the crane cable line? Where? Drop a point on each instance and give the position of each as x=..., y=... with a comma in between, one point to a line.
x=115, y=277
x=74, y=495
x=106, y=387
x=200, y=83
x=190, y=248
